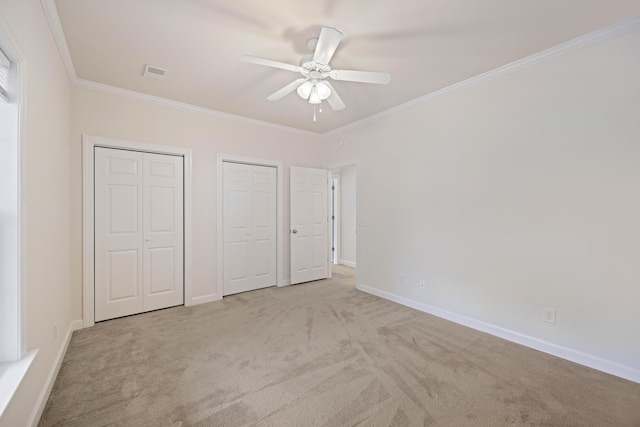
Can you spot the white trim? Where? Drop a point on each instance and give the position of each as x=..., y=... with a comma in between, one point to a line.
x=280, y=281
x=329, y=224
x=561, y=49
x=566, y=353
x=51, y=12
x=11, y=47
x=88, y=144
x=183, y=106
x=15, y=321
x=340, y=165
x=22, y=203
x=11, y=325
x=336, y=232
x=344, y=164
x=53, y=373
x=205, y=299
x=11, y=375
x=520, y=64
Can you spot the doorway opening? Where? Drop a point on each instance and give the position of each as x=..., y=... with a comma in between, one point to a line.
x=343, y=217
x=335, y=225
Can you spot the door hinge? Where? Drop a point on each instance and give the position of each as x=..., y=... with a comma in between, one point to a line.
x=333, y=217
x=333, y=249
x=333, y=187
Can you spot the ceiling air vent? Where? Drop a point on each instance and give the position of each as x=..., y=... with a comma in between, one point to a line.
x=153, y=72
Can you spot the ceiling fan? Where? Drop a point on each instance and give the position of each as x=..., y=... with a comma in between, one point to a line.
x=315, y=68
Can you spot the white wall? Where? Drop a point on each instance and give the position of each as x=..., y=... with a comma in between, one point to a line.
x=101, y=114
x=517, y=194
x=46, y=194
x=348, y=216
x=514, y=195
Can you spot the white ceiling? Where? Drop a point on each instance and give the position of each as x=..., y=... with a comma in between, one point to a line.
x=426, y=45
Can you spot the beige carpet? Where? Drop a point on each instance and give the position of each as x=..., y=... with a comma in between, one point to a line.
x=320, y=354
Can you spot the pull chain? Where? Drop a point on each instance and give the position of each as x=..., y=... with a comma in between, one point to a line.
x=314, y=111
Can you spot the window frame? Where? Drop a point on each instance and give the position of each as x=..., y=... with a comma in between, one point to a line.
x=14, y=358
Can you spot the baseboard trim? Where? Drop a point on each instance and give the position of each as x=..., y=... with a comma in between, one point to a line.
x=203, y=299
x=566, y=353
x=51, y=379
x=348, y=263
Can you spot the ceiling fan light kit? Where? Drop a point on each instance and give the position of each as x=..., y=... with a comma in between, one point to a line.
x=314, y=68
x=315, y=92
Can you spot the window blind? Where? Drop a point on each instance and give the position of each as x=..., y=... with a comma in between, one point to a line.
x=5, y=64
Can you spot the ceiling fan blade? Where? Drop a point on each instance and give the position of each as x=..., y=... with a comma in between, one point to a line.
x=361, y=76
x=270, y=63
x=327, y=43
x=334, y=99
x=286, y=90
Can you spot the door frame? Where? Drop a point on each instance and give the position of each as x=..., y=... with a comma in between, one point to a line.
x=335, y=223
x=279, y=215
x=339, y=165
x=89, y=142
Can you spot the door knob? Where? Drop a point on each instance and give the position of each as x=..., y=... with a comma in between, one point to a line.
x=294, y=231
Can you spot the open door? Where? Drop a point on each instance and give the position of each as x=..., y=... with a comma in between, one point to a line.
x=309, y=229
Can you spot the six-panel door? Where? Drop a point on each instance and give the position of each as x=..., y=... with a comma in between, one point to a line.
x=250, y=221
x=309, y=229
x=138, y=232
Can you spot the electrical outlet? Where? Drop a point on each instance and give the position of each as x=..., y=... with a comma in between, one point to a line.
x=549, y=315
x=422, y=284
x=401, y=280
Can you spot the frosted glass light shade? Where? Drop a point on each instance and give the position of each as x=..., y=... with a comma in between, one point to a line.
x=314, y=97
x=304, y=90
x=323, y=90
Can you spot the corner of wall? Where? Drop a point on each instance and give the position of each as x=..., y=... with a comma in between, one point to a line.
x=53, y=373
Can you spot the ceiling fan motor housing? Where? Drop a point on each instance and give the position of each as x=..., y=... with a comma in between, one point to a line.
x=312, y=69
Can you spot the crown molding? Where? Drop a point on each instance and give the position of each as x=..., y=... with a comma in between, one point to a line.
x=520, y=64
x=589, y=39
x=51, y=13
x=132, y=94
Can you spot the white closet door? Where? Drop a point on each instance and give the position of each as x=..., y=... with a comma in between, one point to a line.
x=118, y=233
x=309, y=230
x=249, y=227
x=138, y=232
x=163, y=231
